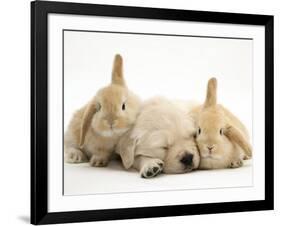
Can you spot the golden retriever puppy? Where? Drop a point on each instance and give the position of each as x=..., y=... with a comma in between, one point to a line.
x=162, y=140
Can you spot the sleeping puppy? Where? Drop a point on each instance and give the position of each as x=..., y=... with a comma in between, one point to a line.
x=162, y=140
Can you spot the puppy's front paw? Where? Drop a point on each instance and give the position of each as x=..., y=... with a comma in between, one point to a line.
x=98, y=161
x=152, y=168
x=73, y=155
x=236, y=164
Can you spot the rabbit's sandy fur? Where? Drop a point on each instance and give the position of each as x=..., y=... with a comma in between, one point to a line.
x=95, y=129
x=162, y=134
x=220, y=130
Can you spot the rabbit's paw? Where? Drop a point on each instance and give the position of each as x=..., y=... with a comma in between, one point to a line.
x=73, y=155
x=236, y=164
x=99, y=161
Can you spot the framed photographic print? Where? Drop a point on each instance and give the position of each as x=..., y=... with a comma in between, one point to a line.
x=144, y=112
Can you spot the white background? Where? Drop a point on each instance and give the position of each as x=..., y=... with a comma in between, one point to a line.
x=189, y=54
x=174, y=67
x=171, y=66
x=15, y=96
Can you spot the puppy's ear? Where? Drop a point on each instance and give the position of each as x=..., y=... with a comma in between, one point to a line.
x=88, y=114
x=126, y=148
x=117, y=71
x=235, y=136
x=211, y=97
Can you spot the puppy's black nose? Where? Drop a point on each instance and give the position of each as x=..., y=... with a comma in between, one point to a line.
x=187, y=159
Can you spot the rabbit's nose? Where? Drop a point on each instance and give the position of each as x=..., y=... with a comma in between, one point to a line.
x=210, y=148
x=111, y=122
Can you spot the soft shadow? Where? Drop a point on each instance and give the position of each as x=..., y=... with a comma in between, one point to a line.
x=25, y=219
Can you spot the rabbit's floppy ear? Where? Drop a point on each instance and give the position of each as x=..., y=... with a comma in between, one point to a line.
x=211, y=97
x=117, y=71
x=235, y=136
x=126, y=148
x=89, y=111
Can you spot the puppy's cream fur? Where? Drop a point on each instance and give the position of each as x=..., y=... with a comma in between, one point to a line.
x=95, y=129
x=162, y=135
x=222, y=138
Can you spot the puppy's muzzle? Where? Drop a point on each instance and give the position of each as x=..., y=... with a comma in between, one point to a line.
x=187, y=160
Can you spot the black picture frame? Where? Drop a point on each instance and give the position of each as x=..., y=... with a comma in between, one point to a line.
x=39, y=112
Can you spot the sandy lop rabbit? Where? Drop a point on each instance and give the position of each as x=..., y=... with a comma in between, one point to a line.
x=95, y=129
x=222, y=139
x=162, y=139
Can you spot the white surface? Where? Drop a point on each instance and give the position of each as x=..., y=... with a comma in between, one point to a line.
x=14, y=88
x=180, y=70
x=82, y=179
x=56, y=201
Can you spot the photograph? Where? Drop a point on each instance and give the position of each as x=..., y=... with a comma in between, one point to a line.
x=141, y=112
x=176, y=110
x=123, y=113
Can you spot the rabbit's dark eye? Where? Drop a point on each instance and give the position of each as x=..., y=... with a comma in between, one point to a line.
x=123, y=106
x=199, y=130
x=221, y=131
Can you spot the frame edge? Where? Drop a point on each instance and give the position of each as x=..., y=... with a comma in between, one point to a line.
x=269, y=112
x=39, y=114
